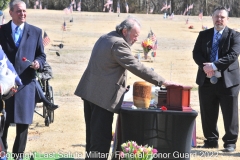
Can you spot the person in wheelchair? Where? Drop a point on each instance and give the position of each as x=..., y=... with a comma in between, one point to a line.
x=43, y=77
x=40, y=97
x=9, y=79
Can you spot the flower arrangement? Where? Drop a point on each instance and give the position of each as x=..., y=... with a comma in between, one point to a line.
x=147, y=45
x=132, y=151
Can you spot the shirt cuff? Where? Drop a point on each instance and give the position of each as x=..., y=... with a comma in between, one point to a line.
x=214, y=67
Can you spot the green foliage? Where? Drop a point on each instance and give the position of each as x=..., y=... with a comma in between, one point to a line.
x=50, y=4
x=4, y=4
x=142, y=6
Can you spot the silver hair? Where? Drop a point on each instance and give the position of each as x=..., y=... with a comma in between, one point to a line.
x=128, y=24
x=14, y=2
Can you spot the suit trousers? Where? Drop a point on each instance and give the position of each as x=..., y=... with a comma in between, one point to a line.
x=98, y=130
x=210, y=97
x=20, y=139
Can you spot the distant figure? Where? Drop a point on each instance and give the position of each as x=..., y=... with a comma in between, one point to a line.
x=79, y=6
x=151, y=10
x=73, y=5
x=187, y=21
x=108, y=5
x=37, y=3
x=40, y=5
x=127, y=8
x=165, y=15
x=172, y=15
x=118, y=8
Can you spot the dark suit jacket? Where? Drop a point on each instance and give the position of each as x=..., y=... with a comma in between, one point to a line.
x=104, y=81
x=228, y=52
x=20, y=107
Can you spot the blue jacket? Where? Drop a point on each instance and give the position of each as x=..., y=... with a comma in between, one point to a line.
x=20, y=107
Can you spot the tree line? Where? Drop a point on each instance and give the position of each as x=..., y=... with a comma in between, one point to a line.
x=141, y=6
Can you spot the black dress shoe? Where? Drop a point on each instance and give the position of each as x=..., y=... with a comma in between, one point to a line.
x=51, y=106
x=208, y=146
x=229, y=149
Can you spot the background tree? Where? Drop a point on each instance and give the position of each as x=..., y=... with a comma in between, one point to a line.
x=4, y=4
x=140, y=6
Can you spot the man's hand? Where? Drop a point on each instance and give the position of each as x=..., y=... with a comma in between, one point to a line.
x=35, y=65
x=208, y=67
x=170, y=83
x=12, y=91
x=210, y=74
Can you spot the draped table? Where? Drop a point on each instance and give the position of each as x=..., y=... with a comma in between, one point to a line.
x=172, y=133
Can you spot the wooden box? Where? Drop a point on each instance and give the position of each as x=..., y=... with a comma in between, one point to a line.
x=178, y=97
x=160, y=98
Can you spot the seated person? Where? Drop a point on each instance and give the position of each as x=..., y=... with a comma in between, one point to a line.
x=45, y=74
x=9, y=78
x=41, y=97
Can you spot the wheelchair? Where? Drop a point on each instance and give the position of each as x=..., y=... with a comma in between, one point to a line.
x=43, y=80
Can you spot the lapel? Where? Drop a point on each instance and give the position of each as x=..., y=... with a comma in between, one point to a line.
x=209, y=41
x=25, y=35
x=223, y=39
x=8, y=34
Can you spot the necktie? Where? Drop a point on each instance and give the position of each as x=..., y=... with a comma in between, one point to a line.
x=214, y=47
x=17, y=37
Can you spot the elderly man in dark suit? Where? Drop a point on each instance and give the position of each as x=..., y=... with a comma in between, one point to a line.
x=24, y=42
x=103, y=83
x=216, y=53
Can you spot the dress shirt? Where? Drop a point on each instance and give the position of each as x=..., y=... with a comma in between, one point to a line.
x=217, y=73
x=21, y=27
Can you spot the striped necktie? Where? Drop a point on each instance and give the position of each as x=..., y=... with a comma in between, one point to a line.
x=214, y=51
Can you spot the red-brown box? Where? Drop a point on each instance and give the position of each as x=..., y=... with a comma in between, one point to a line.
x=160, y=98
x=178, y=96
